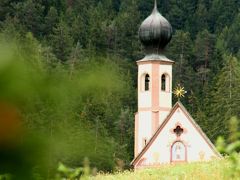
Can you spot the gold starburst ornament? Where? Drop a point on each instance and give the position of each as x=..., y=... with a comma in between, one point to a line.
x=179, y=91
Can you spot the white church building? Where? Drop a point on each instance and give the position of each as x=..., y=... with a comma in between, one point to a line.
x=164, y=133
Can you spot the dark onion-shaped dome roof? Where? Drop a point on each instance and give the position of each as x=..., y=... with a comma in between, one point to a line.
x=155, y=32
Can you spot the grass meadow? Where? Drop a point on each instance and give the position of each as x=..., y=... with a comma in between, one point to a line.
x=217, y=169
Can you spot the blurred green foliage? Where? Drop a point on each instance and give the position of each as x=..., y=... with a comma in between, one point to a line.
x=66, y=112
x=74, y=174
x=231, y=147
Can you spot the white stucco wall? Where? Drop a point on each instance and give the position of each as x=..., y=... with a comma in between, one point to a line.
x=144, y=128
x=144, y=97
x=162, y=116
x=159, y=151
x=165, y=98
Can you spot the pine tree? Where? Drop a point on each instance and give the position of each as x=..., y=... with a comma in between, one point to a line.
x=59, y=5
x=225, y=99
x=176, y=14
x=51, y=20
x=180, y=51
x=61, y=41
x=125, y=135
x=10, y=29
x=200, y=19
x=204, y=51
x=222, y=14
x=31, y=14
x=96, y=35
x=7, y=9
x=229, y=39
x=126, y=41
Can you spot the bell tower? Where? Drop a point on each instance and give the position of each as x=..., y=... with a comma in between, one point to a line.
x=154, y=78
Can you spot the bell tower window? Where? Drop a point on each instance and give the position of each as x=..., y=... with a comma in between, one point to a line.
x=163, y=84
x=147, y=82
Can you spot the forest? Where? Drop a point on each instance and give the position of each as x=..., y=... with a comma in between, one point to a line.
x=68, y=77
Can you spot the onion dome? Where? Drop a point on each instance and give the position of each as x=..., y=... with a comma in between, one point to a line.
x=155, y=32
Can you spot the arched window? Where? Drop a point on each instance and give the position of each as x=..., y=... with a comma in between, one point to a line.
x=178, y=152
x=163, y=82
x=147, y=82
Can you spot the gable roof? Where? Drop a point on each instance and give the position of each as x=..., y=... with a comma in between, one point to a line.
x=175, y=107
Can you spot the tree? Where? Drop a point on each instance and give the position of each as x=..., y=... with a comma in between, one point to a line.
x=199, y=22
x=229, y=39
x=125, y=135
x=61, y=41
x=225, y=97
x=30, y=13
x=78, y=26
x=96, y=36
x=7, y=8
x=10, y=29
x=222, y=14
x=176, y=14
x=51, y=20
x=204, y=54
x=180, y=50
x=126, y=27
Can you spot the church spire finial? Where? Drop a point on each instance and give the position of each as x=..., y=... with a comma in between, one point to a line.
x=155, y=5
x=155, y=9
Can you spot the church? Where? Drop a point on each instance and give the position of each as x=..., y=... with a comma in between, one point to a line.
x=164, y=134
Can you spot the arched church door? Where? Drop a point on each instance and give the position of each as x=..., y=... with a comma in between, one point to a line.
x=178, y=152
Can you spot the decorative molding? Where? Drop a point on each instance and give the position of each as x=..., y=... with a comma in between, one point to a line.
x=176, y=125
x=136, y=135
x=155, y=86
x=153, y=109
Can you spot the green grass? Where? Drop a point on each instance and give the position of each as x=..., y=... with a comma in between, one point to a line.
x=218, y=169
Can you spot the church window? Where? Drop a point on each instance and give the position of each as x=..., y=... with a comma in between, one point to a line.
x=178, y=131
x=178, y=152
x=147, y=82
x=163, y=84
x=144, y=142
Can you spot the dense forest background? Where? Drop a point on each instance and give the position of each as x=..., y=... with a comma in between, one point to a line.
x=88, y=51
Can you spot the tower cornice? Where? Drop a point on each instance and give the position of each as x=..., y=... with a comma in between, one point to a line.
x=168, y=62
